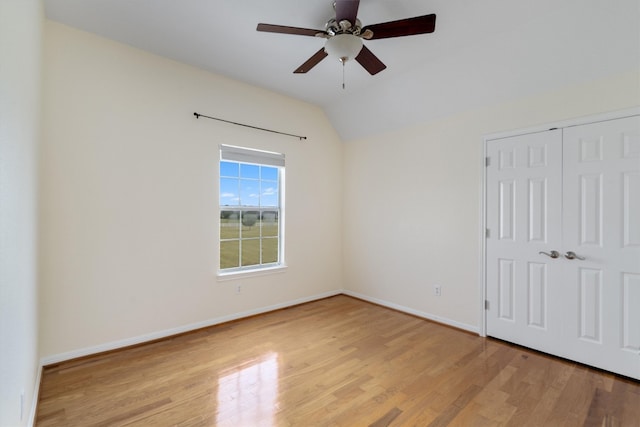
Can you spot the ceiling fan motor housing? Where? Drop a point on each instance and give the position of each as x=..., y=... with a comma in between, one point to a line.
x=333, y=27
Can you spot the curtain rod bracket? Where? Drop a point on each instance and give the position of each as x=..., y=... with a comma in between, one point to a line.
x=198, y=115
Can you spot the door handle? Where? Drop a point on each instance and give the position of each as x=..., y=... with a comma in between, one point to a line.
x=553, y=254
x=573, y=255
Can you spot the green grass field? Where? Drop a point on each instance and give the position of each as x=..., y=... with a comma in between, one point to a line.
x=232, y=228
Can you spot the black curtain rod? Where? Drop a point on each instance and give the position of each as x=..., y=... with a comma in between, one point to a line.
x=198, y=115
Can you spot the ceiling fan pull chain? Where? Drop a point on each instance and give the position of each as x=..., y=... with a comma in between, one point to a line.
x=343, y=61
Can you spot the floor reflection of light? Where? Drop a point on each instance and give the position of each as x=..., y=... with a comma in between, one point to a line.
x=247, y=396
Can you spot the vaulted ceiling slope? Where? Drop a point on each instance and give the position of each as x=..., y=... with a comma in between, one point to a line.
x=482, y=52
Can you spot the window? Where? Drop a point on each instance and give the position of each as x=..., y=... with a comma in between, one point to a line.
x=251, y=213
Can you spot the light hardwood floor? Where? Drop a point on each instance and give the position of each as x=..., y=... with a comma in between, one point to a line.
x=334, y=362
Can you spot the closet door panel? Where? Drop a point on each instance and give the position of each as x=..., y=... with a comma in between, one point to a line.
x=601, y=218
x=524, y=218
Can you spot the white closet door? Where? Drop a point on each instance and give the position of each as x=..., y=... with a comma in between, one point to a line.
x=524, y=214
x=575, y=191
x=601, y=223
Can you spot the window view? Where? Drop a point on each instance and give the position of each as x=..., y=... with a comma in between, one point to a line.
x=250, y=208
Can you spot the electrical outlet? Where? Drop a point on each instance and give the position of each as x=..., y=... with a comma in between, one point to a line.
x=437, y=290
x=238, y=289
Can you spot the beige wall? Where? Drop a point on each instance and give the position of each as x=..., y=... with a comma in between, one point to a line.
x=412, y=200
x=129, y=195
x=20, y=55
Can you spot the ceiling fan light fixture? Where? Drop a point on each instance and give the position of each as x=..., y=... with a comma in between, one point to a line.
x=343, y=46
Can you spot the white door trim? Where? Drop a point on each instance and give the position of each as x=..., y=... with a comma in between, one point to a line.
x=601, y=117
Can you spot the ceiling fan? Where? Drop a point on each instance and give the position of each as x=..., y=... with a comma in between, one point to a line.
x=344, y=35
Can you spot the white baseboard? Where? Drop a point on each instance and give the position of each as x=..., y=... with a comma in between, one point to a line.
x=114, y=345
x=414, y=312
x=34, y=399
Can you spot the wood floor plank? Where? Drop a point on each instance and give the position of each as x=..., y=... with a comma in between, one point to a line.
x=387, y=418
x=334, y=362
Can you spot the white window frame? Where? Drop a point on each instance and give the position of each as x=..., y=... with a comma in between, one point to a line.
x=229, y=153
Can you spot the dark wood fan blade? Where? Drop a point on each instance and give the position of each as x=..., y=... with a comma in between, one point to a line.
x=311, y=62
x=347, y=9
x=369, y=61
x=282, y=29
x=403, y=27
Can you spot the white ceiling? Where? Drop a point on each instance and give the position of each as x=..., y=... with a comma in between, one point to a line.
x=482, y=52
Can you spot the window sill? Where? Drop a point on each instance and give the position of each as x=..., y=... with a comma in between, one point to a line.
x=231, y=275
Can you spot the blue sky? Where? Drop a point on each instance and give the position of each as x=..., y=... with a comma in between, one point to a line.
x=248, y=185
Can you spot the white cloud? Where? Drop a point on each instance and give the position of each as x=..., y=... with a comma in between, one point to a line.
x=270, y=191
